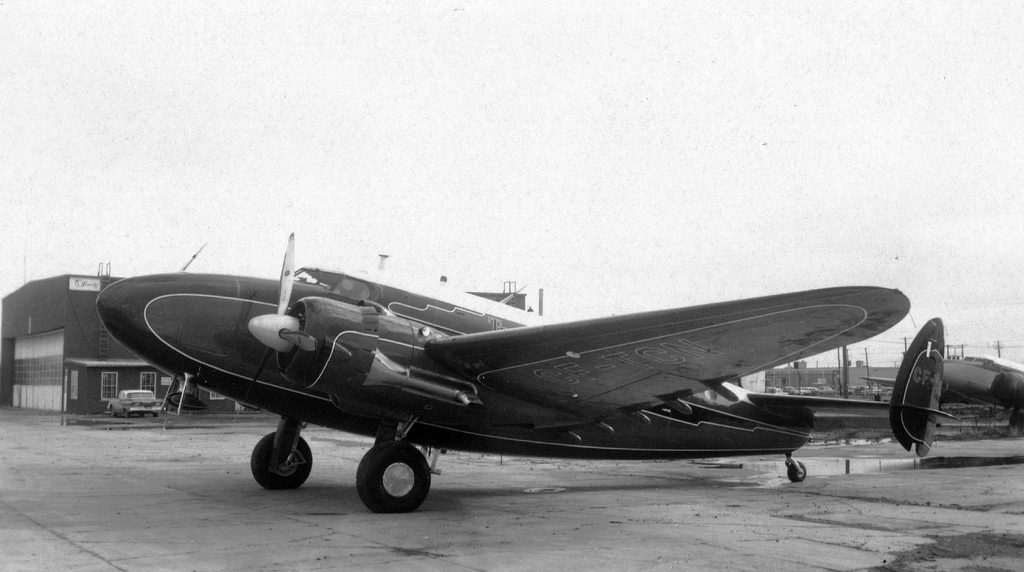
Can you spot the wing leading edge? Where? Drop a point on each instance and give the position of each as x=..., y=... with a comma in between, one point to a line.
x=597, y=368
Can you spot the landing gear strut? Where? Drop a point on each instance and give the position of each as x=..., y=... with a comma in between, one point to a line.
x=795, y=470
x=1016, y=422
x=393, y=476
x=282, y=460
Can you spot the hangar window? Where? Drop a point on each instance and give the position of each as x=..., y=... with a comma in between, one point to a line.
x=147, y=380
x=38, y=359
x=73, y=388
x=108, y=385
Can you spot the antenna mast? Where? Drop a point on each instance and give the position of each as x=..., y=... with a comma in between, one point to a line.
x=191, y=260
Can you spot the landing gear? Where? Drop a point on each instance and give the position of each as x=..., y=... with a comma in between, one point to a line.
x=282, y=460
x=1016, y=422
x=795, y=470
x=393, y=477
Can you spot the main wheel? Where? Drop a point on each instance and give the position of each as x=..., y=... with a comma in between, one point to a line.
x=796, y=471
x=1016, y=422
x=295, y=470
x=393, y=477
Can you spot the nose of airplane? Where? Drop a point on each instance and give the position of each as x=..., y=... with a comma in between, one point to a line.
x=106, y=300
x=114, y=305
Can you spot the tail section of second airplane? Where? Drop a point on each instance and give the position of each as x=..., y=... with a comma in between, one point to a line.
x=914, y=409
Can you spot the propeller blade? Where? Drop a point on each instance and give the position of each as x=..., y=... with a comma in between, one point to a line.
x=287, y=269
x=304, y=341
x=259, y=368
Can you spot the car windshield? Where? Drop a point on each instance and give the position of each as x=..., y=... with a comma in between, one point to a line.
x=139, y=395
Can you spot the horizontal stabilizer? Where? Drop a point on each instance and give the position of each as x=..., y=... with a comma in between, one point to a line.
x=933, y=412
x=914, y=409
x=886, y=381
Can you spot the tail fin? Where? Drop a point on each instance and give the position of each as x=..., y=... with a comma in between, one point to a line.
x=914, y=408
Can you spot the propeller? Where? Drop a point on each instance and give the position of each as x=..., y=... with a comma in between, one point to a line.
x=279, y=331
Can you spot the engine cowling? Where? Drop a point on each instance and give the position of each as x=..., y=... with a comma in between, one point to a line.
x=1008, y=389
x=366, y=357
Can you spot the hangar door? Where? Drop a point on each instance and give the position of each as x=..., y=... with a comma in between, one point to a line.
x=38, y=365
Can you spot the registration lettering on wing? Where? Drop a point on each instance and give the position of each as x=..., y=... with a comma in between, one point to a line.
x=654, y=356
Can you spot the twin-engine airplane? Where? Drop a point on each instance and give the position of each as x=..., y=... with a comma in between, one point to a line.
x=453, y=371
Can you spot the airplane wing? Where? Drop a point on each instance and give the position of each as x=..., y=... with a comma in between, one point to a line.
x=597, y=368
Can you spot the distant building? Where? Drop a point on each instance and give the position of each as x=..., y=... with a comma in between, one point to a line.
x=57, y=356
x=825, y=380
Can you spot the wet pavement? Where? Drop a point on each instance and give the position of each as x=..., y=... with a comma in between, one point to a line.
x=176, y=493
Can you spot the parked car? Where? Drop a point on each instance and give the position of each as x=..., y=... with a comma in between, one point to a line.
x=134, y=402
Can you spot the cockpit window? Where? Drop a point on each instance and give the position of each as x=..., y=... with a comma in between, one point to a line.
x=340, y=284
x=351, y=288
x=312, y=276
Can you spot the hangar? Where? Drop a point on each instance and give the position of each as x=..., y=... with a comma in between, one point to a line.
x=57, y=356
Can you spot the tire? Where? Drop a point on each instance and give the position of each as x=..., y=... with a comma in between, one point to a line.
x=393, y=477
x=299, y=470
x=796, y=471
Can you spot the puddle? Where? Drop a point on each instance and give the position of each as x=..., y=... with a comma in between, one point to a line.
x=66, y=421
x=824, y=466
x=959, y=462
x=545, y=490
x=110, y=424
x=853, y=441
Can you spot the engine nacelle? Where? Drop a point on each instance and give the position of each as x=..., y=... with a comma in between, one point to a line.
x=366, y=358
x=1008, y=389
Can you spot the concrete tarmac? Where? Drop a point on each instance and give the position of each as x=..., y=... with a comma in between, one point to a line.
x=105, y=494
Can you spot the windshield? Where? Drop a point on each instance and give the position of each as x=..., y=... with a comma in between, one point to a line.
x=336, y=283
x=139, y=395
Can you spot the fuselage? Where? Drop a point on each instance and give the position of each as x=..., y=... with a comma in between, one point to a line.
x=985, y=378
x=197, y=325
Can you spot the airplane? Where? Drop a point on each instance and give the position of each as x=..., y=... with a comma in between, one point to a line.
x=987, y=379
x=448, y=370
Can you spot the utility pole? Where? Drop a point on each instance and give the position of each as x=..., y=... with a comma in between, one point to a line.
x=867, y=364
x=846, y=374
x=839, y=370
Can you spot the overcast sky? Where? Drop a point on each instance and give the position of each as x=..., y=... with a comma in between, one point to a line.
x=622, y=157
